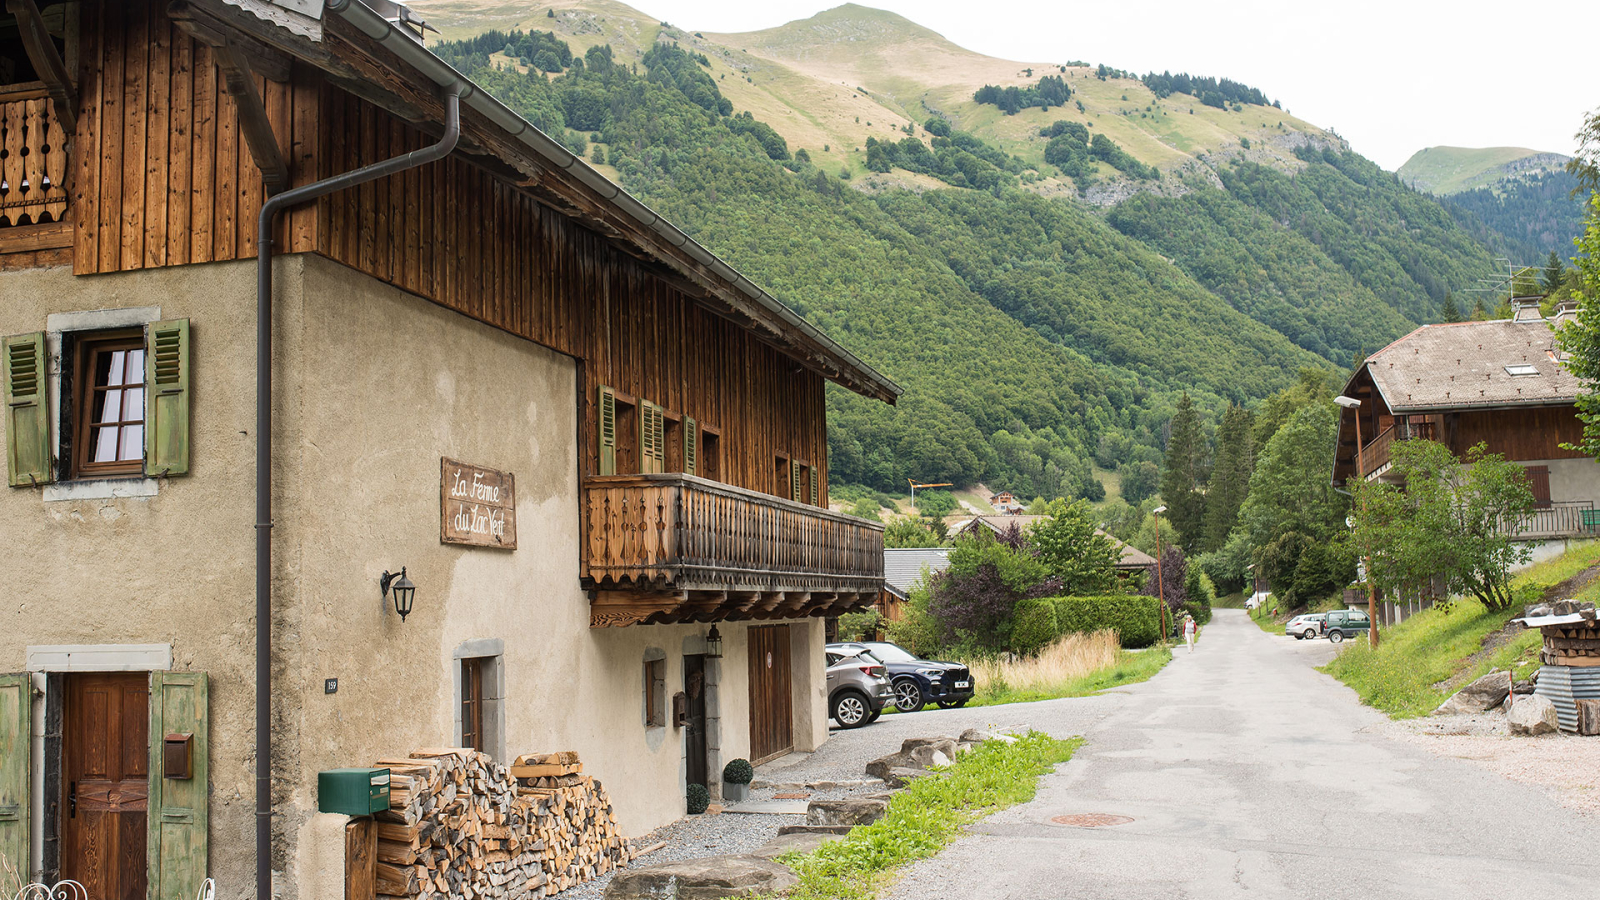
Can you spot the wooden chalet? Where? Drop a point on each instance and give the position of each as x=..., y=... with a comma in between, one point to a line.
x=1500, y=383
x=491, y=371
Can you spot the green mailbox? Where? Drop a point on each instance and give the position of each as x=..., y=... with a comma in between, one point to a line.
x=353, y=792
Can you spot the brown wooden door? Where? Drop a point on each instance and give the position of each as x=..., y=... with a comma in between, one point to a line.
x=694, y=727
x=771, y=710
x=106, y=779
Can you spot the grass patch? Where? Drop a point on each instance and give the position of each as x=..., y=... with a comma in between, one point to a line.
x=1266, y=616
x=1076, y=665
x=1234, y=600
x=1434, y=645
x=927, y=815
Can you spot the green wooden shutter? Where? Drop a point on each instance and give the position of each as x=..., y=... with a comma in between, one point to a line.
x=794, y=481
x=27, y=418
x=815, y=490
x=652, y=438
x=608, y=431
x=177, y=856
x=16, y=726
x=166, y=400
x=691, y=446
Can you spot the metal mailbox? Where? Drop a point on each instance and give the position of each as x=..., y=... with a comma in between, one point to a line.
x=353, y=792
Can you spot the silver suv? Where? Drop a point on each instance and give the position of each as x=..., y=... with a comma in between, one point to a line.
x=1305, y=627
x=858, y=688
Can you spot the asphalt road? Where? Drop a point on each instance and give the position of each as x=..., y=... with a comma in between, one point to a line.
x=1248, y=773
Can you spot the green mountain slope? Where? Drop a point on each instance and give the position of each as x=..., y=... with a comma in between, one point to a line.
x=1451, y=170
x=1045, y=316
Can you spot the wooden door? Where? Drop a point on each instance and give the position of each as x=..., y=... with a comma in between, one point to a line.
x=771, y=710
x=694, y=728
x=106, y=757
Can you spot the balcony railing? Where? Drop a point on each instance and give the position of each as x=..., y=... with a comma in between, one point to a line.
x=702, y=550
x=33, y=168
x=1568, y=518
x=1375, y=455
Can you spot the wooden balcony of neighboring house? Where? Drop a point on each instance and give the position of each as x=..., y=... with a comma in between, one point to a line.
x=663, y=548
x=33, y=174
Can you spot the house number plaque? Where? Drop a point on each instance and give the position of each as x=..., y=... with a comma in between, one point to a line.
x=477, y=506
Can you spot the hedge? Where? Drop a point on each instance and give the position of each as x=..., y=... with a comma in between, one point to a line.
x=1033, y=626
x=1135, y=619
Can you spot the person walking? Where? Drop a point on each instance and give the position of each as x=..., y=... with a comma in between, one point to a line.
x=1189, y=628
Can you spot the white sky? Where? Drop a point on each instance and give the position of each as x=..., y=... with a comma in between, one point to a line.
x=1391, y=77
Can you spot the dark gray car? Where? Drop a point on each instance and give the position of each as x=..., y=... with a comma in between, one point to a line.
x=858, y=688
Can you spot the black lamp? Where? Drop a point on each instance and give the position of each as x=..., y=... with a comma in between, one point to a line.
x=404, y=591
x=714, y=644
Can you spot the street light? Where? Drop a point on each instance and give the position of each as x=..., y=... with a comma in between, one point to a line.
x=1161, y=581
x=1351, y=403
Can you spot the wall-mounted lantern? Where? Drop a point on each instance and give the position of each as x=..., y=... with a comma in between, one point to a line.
x=714, y=644
x=404, y=591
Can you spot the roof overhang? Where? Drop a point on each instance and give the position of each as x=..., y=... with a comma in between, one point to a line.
x=362, y=52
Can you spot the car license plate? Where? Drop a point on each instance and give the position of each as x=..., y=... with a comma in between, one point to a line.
x=962, y=684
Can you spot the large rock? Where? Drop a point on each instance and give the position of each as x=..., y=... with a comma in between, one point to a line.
x=711, y=878
x=976, y=736
x=1533, y=715
x=845, y=812
x=1480, y=696
x=915, y=753
x=835, y=830
x=900, y=776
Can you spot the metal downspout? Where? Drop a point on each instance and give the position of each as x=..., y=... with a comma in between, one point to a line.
x=269, y=211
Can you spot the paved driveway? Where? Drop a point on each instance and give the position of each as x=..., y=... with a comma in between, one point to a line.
x=1248, y=773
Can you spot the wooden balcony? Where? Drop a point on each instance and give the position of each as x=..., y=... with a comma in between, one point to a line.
x=33, y=168
x=676, y=548
x=1375, y=456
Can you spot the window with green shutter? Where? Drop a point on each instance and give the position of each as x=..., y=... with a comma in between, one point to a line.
x=16, y=724
x=166, y=443
x=815, y=488
x=607, y=417
x=794, y=481
x=652, y=438
x=178, y=809
x=27, y=417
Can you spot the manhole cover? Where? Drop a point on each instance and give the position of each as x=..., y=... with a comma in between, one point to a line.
x=1092, y=820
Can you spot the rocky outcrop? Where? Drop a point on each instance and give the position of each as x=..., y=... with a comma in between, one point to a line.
x=1480, y=696
x=712, y=878
x=915, y=753
x=1533, y=715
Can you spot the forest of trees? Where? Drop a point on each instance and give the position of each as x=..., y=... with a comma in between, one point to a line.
x=1052, y=90
x=1218, y=92
x=1038, y=340
x=1523, y=218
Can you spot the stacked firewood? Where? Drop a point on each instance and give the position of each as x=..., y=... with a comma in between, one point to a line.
x=1570, y=643
x=461, y=825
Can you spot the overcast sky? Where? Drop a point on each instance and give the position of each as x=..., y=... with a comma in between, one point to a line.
x=1391, y=76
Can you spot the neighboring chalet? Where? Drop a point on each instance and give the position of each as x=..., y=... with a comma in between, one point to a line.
x=1007, y=504
x=902, y=569
x=596, y=452
x=1500, y=383
x=1131, y=559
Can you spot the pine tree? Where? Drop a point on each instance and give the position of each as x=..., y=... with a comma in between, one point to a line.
x=1230, y=477
x=1480, y=313
x=1183, y=476
x=1450, y=312
x=1552, y=274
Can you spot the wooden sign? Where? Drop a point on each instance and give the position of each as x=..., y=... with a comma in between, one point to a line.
x=477, y=506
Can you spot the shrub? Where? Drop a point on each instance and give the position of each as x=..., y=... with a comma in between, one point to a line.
x=699, y=798
x=860, y=626
x=738, y=771
x=1134, y=619
x=1033, y=626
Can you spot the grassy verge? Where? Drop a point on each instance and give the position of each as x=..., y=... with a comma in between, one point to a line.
x=1435, y=646
x=1266, y=616
x=926, y=816
x=1074, y=666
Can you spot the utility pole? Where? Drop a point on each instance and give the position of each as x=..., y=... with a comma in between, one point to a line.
x=1161, y=581
x=1351, y=403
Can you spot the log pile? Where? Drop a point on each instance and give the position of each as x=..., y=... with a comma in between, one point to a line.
x=460, y=825
x=1570, y=643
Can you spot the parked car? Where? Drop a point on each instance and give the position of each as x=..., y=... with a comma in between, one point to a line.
x=918, y=682
x=1345, y=623
x=1305, y=627
x=858, y=687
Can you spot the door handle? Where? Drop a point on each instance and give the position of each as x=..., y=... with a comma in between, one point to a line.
x=72, y=799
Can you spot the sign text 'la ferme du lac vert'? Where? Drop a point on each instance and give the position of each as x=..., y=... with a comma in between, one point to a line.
x=477, y=506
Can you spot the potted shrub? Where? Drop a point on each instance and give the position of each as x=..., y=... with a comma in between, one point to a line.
x=736, y=777
x=699, y=798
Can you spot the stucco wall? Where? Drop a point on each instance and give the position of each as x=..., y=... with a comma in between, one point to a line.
x=1572, y=479
x=374, y=386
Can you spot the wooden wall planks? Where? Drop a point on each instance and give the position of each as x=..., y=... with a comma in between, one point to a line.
x=163, y=178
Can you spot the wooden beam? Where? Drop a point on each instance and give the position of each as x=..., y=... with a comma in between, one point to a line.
x=244, y=33
x=47, y=61
x=253, y=120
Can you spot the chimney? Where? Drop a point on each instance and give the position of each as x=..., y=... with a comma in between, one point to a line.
x=1526, y=309
x=1566, y=311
